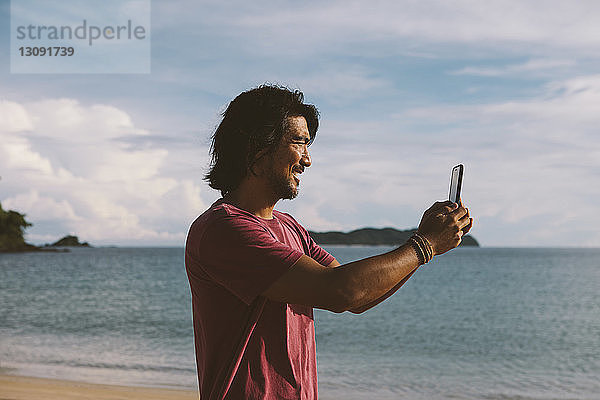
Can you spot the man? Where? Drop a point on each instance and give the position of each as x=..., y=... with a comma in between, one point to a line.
x=255, y=273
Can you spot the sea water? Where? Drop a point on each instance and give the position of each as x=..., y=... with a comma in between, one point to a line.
x=476, y=323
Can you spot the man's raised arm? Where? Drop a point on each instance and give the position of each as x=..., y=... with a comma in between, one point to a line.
x=360, y=285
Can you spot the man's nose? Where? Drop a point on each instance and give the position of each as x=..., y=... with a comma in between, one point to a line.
x=305, y=160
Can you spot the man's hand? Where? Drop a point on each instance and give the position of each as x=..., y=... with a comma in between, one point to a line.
x=444, y=225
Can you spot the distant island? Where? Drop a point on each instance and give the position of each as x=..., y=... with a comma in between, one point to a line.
x=12, y=229
x=374, y=237
x=69, y=241
x=12, y=226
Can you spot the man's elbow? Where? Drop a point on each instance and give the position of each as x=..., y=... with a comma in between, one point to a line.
x=347, y=296
x=339, y=307
x=347, y=304
x=359, y=310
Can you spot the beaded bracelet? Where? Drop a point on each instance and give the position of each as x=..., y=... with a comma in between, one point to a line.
x=418, y=250
x=426, y=245
x=422, y=248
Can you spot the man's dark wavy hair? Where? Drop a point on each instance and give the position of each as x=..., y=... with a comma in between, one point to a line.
x=255, y=120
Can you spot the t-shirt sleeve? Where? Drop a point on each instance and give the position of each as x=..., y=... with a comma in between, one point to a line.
x=241, y=255
x=318, y=253
x=314, y=251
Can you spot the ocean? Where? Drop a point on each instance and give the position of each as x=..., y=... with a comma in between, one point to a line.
x=476, y=323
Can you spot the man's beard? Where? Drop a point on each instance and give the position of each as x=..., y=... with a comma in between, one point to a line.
x=283, y=186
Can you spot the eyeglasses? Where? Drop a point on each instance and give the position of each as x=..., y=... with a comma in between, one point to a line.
x=304, y=143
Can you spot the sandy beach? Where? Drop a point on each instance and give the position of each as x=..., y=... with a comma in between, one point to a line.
x=14, y=387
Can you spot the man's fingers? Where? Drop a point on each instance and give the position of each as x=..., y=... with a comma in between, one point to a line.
x=457, y=213
x=462, y=213
x=445, y=207
x=439, y=205
x=468, y=226
x=437, y=208
x=464, y=223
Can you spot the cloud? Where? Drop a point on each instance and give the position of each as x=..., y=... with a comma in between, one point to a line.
x=85, y=181
x=340, y=83
x=323, y=47
x=567, y=104
x=314, y=27
x=533, y=66
x=17, y=154
x=14, y=117
x=69, y=119
x=42, y=208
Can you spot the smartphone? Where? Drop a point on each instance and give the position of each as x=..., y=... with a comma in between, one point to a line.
x=456, y=183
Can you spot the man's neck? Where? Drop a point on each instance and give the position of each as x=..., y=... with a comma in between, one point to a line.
x=253, y=199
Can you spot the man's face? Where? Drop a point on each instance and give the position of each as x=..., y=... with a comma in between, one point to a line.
x=289, y=159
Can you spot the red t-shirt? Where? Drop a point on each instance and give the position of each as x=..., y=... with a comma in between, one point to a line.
x=246, y=345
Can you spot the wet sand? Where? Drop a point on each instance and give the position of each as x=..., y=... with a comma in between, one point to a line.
x=14, y=387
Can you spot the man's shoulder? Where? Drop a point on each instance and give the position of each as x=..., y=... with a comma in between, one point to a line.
x=214, y=212
x=287, y=218
x=222, y=215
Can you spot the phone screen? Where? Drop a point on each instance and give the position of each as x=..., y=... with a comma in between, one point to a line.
x=456, y=183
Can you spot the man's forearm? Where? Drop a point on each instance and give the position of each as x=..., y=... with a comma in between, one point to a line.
x=366, y=283
x=363, y=308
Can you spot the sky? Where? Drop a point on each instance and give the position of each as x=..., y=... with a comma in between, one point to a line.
x=406, y=90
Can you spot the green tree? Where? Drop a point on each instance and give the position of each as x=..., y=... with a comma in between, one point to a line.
x=12, y=227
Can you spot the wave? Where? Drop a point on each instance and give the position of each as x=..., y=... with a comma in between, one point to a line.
x=120, y=366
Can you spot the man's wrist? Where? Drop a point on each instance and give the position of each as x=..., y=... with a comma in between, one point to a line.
x=422, y=248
